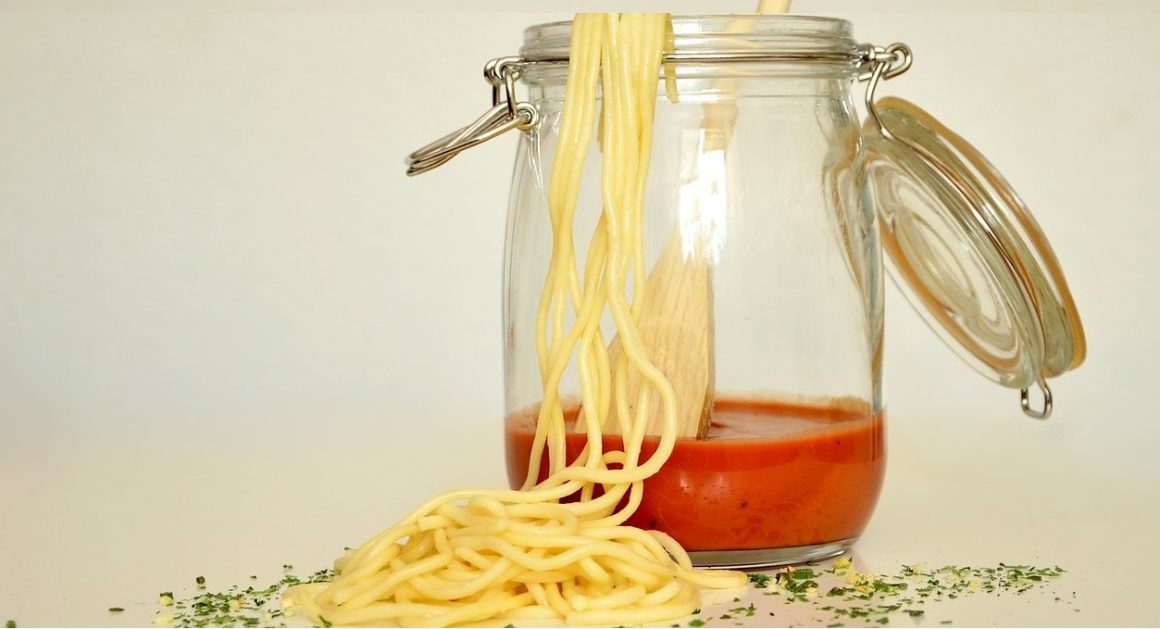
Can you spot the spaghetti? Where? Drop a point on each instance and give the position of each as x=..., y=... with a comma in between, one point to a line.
x=499, y=555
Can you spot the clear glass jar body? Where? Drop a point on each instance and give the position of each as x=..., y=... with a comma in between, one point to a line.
x=794, y=459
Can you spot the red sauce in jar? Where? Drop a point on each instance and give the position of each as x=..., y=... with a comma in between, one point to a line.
x=769, y=475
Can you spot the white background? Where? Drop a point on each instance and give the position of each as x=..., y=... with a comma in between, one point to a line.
x=234, y=334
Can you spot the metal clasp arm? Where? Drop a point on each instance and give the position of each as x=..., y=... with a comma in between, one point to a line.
x=506, y=113
x=496, y=121
x=1048, y=403
x=882, y=63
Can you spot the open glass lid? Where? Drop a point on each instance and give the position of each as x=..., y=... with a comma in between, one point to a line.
x=964, y=249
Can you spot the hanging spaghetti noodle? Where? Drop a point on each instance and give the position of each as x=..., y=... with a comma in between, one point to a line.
x=500, y=555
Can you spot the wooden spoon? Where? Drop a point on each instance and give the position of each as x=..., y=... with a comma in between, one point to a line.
x=676, y=325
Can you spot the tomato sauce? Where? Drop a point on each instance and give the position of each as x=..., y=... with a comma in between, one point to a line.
x=769, y=475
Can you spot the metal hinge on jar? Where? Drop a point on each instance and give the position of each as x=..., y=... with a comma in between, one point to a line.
x=506, y=113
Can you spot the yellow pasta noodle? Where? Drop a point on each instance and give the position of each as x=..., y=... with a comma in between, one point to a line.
x=493, y=556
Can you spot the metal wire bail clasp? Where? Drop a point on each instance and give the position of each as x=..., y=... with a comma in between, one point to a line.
x=1025, y=401
x=506, y=113
x=880, y=63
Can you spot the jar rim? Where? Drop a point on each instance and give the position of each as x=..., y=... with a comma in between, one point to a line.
x=720, y=35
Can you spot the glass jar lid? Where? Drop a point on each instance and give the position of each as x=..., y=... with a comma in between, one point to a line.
x=967, y=253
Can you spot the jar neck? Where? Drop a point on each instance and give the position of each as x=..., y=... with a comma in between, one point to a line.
x=723, y=48
x=549, y=87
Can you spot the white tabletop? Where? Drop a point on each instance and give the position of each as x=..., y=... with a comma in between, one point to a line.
x=88, y=528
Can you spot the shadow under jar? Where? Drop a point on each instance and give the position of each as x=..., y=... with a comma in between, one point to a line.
x=756, y=173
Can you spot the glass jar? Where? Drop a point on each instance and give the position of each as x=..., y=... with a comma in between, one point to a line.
x=763, y=175
x=764, y=198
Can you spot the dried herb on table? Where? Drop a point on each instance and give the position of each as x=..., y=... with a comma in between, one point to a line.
x=869, y=598
x=234, y=607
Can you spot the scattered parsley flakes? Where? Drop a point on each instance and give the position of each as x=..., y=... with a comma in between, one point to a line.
x=237, y=606
x=863, y=597
x=803, y=573
x=845, y=594
x=758, y=580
